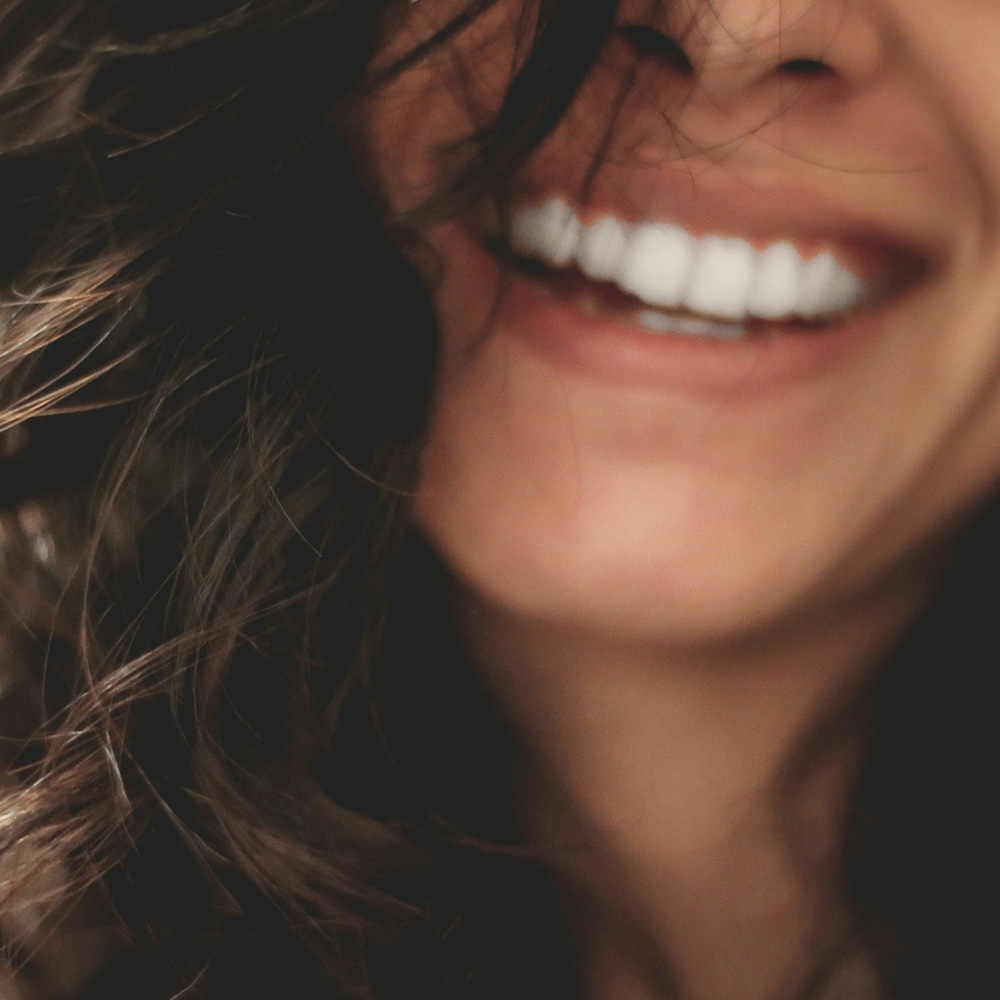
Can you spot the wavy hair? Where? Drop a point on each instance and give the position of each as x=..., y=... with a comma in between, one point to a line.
x=211, y=407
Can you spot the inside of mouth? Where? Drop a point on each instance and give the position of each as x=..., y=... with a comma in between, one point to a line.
x=600, y=298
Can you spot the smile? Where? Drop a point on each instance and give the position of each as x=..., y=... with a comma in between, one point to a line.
x=710, y=286
x=720, y=293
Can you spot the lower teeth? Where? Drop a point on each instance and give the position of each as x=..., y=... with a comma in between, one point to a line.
x=690, y=326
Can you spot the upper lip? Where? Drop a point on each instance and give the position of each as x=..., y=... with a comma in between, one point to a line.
x=761, y=212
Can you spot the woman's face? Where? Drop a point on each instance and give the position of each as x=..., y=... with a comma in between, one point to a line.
x=597, y=458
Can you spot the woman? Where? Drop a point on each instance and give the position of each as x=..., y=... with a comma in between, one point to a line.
x=691, y=704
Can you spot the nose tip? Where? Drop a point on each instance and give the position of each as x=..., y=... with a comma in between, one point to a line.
x=736, y=44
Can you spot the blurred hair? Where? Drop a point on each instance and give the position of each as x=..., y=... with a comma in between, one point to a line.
x=214, y=366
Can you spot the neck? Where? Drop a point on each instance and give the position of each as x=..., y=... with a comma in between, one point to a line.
x=652, y=778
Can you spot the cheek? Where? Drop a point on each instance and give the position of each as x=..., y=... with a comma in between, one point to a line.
x=420, y=129
x=955, y=46
x=407, y=116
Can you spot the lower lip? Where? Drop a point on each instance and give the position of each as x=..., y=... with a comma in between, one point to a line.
x=611, y=349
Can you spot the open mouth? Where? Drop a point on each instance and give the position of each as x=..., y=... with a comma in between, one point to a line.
x=662, y=278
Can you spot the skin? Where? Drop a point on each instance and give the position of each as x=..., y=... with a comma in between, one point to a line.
x=663, y=586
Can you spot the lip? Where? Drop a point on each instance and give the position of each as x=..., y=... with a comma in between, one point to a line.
x=601, y=346
x=715, y=203
x=606, y=348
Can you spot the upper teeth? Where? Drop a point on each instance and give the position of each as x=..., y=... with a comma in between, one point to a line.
x=668, y=268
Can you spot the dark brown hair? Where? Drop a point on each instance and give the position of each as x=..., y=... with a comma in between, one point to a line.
x=214, y=368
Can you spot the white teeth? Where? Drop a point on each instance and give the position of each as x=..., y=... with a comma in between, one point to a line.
x=693, y=326
x=601, y=248
x=827, y=287
x=722, y=276
x=667, y=268
x=775, y=290
x=822, y=286
x=656, y=264
x=558, y=233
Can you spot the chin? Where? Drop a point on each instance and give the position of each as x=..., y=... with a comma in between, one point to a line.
x=622, y=577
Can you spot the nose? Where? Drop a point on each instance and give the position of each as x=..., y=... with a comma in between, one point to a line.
x=737, y=48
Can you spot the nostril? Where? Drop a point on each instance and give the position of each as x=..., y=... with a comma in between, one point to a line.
x=650, y=42
x=806, y=68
